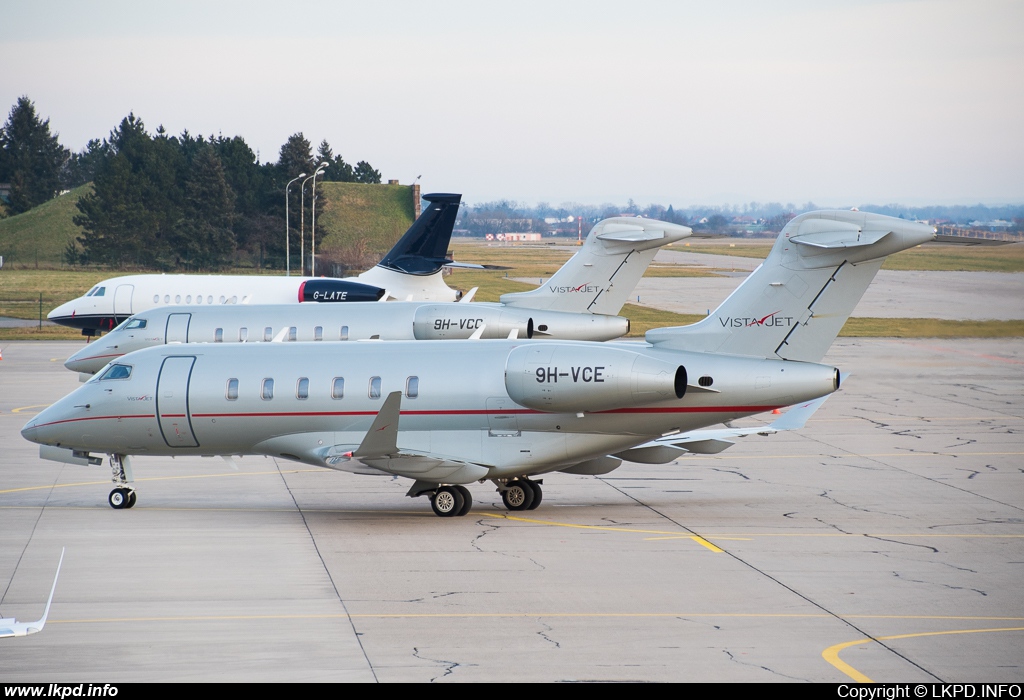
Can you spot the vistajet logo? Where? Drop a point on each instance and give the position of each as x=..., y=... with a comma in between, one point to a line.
x=772, y=320
x=585, y=288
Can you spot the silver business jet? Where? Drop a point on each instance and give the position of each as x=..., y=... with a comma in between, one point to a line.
x=579, y=302
x=507, y=411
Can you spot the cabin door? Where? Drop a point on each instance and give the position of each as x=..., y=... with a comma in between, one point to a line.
x=172, y=402
x=177, y=328
x=123, y=301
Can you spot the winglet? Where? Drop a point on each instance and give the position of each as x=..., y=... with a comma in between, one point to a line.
x=46, y=612
x=382, y=438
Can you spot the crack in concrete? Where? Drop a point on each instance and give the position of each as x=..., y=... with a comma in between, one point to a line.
x=933, y=550
x=943, y=585
x=543, y=634
x=731, y=471
x=733, y=657
x=449, y=666
x=825, y=494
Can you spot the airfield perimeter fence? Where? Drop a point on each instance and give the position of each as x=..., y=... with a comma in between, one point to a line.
x=28, y=306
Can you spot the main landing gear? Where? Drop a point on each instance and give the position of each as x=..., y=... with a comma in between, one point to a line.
x=123, y=495
x=521, y=494
x=451, y=501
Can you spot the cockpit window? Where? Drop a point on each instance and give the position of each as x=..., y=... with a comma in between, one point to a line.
x=134, y=323
x=116, y=372
x=100, y=292
x=91, y=291
x=120, y=326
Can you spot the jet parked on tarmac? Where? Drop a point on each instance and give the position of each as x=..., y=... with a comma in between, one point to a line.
x=411, y=270
x=507, y=411
x=601, y=275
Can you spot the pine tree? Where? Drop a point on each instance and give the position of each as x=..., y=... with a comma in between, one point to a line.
x=31, y=158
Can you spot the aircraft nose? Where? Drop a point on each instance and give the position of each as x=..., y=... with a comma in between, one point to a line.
x=65, y=309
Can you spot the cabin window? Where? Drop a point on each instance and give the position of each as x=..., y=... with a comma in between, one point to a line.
x=222, y=300
x=218, y=335
x=232, y=390
x=243, y=335
x=167, y=298
x=199, y=298
x=267, y=392
x=302, y=388
x=234, y=300
x=338, y=388
x=116, y=372
x=268, y=334
x=188, y=299
x=292, y=334
x=412, y=387
x=209, y=298
x=156, y=298
x=374, y=392
x=134, y=324
x=318, y=333
x=344, y=332
x=177, y=298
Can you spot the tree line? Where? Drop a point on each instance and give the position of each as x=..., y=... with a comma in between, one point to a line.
x=166, y=202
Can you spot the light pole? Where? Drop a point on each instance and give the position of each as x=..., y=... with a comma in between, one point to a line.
x=287, y=231
x=302, y=223
x=312, y=226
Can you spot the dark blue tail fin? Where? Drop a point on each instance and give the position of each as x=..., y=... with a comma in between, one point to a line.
x=423, y=250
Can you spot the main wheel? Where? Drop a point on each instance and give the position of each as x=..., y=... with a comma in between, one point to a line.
x=447, y=501
x=118, y=498
x=467, y=498
x=133, y=497
x=518, y=495
x=538, y=494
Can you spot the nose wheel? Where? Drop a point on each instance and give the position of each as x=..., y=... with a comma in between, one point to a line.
x=122, y=498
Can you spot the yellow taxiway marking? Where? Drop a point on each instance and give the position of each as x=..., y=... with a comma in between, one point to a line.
x=832, y=653
x=25, y=408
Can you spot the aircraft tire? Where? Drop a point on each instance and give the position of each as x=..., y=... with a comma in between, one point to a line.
x=447, y=502
x=538, y=494
x=518, y=495
x=118, y=499
x=467, y=499
x=132, y=499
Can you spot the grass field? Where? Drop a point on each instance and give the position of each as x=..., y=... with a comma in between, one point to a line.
x=39, y=236
x=20, y=290
x=946, y=258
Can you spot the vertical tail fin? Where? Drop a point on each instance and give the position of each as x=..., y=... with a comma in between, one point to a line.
x=603, y=273
x=794, y=305
x=423, y=250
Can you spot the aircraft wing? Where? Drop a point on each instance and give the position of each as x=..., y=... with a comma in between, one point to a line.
x=9, y=627
x=712, y=441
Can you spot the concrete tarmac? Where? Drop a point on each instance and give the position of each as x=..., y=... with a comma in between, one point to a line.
x=884, y=541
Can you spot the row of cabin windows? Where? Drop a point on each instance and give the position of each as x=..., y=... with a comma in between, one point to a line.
x=188, y=298
x=412, y=388
x=268, y=334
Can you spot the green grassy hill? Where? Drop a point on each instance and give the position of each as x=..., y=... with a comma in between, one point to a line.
x=359, y=223
x=38, y=237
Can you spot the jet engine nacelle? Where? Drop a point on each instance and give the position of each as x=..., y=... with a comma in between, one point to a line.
x=573, y=379
x=447, y=321
x=335, y=290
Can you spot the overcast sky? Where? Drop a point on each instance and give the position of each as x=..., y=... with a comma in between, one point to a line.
x=841, y=103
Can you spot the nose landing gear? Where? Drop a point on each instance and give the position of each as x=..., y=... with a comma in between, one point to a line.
x=123, y=496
